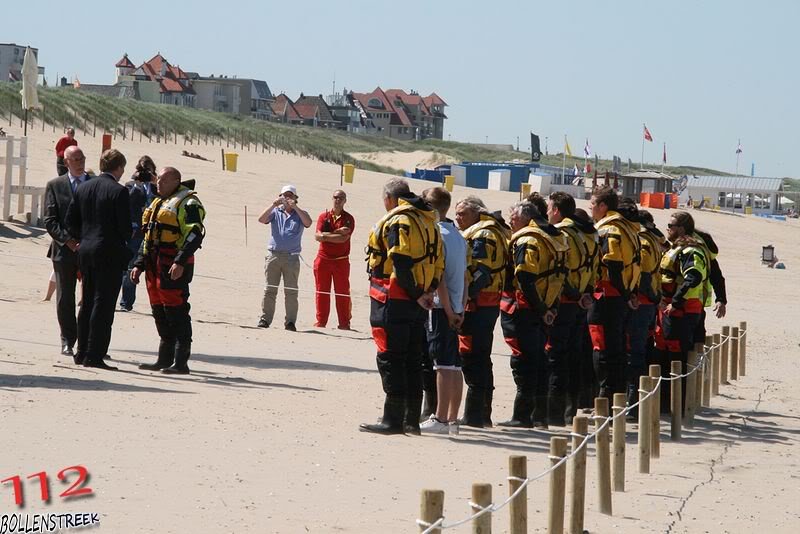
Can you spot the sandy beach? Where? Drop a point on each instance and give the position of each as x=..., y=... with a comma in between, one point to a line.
x=263, y=435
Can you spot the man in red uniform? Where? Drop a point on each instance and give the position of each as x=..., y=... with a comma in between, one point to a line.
x=334, y=229
x=64, y=143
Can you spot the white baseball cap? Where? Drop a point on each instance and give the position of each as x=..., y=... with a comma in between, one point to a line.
x=290, y=189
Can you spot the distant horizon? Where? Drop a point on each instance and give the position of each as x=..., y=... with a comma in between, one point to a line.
x=701, y=76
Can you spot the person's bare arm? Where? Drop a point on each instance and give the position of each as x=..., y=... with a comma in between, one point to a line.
x=305, y=218
x=264, y=217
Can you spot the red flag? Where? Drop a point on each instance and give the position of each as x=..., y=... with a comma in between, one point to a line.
x=665, y=154
x=647, y=135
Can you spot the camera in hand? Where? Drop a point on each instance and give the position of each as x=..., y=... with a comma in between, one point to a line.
x=143, y=174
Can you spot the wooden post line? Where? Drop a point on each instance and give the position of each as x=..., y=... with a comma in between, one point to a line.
x=619, y=441
x=723, y=373
x=580, y=427
x=558, y=485
x=518, y=508
x=602, y=452
x=676, y=404
x=743, y=348
x=655, y=412
x=734, y=361
x=644, y=424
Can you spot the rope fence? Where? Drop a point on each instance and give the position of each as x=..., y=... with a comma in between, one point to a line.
x=701, y=366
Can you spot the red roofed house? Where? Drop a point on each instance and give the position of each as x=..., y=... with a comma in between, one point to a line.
x=381, y=116
x=436, y=106
x=283, y=110
x=315, y=111
x=416, y=109
x=173, y=84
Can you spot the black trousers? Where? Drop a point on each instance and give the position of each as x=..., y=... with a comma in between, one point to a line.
x=398, y=329
x=100, y=289
x=524, y=334
x=66, y=279
x=475, y=347
x=607, y=317
x=561, y=343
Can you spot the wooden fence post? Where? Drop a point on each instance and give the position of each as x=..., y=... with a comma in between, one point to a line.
x=431, y=508
x=691, y=389
x=518, y=508
x=655, y=412
x=644, y=424
x=734, y=367
x=698, y=384
x=620, y=401
x=723, y=372
x=580, y=426
x=743, y=348
x=676, y=404
x=482, y=497
x=716, y=363
x=558, y=486
x=708, y=371
x=602, y=453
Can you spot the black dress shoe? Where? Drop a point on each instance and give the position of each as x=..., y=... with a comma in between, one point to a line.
x=154, y=366
x=99, y=365
x=380, y=428
x=66, y=350
x=290, y=326
x=79, y=358
x=414, y=430
x=176, y=370
x=515, y=423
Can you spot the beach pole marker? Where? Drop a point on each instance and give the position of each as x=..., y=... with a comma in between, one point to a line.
x=655, y=412
x=580, y=427
x=518, y=508
x=603, y=455
x=619, y=441
x=644, y=424
x=676, y=405
x=558, y=487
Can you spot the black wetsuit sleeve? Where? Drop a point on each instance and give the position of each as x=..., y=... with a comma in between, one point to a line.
x=646, y=287
x=718, y=282
x=527, y=283
x=481, y=278
x=615, y=276
x=190, y=245
x=693, y=278
x=405, y=277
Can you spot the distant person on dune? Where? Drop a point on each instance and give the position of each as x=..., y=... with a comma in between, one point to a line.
x=64, y=143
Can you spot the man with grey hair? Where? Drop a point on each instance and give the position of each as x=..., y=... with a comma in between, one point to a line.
x=537, y=252
x=487, y=244
x=405, y=263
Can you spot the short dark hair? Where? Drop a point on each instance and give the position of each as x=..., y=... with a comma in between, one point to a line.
x=112, y=159
x=564, y=202
x=646, y=217
x=146, y=162
x=606, y=195
x=581, y=215
x=538, y=200
x=628, y=208
x=439, y=199
x=685, y=221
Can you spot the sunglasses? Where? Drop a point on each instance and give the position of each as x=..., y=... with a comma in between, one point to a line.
x=670, y=225
x=339, y=197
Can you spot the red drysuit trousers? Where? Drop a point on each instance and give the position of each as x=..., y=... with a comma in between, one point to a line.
x=338, y=271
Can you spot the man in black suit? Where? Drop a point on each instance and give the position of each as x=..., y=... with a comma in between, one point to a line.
x=63, y=249
x=100, y=216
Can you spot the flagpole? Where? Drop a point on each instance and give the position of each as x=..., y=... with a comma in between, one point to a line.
x=643, y=130
x=663, y=158
x=738, y=153
x=564, y=163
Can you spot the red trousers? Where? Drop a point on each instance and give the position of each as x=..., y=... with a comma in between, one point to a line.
x=326, y=270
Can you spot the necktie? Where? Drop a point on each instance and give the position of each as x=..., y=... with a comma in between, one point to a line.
x=74, y=185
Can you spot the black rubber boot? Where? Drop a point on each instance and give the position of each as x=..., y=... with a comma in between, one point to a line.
x=183, y=349
x=523, y=407
x=392, y=422
x=474, y=408
x=539, y=416
x=166, y=356
x=411, y=423
x=487, y=412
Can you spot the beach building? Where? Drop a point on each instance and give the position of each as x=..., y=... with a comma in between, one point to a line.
x=315, y=111
x=742, y=194
x=11, y=58
x=283, y=110
x=400, y=115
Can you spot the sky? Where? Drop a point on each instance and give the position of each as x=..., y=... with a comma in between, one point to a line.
x=701, y=75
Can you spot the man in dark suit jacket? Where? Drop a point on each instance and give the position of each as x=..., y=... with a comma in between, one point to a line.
x=63, y=248
x=100, y=216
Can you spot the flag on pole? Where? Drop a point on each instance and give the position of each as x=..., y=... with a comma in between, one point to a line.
x=587, y=168
x=664, y=159
x=647, y=135
x=739, y=147
x=587, y=149
x=567, y=149
x=575, y=170
x=536, y=151
x=752, y=169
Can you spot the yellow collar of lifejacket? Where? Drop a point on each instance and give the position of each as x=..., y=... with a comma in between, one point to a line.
x=611, y=216
x=172, y=202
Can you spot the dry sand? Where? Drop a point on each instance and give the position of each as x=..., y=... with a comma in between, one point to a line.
x=407, y=161
x=263, y=436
